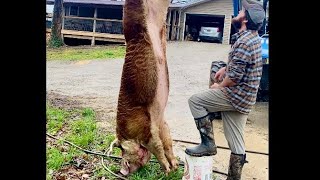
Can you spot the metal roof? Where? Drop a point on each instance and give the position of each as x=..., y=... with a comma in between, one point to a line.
x=173, y=3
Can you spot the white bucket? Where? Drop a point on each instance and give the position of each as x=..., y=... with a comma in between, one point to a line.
x=198, y=168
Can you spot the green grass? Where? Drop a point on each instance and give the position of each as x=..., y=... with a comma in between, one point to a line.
x=76, y=53
x=55, y=158
x=55, y=119
x=153, y=171
x=84, y=132
x=81, y=132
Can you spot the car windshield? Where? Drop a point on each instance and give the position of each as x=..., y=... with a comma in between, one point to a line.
x=210, y=24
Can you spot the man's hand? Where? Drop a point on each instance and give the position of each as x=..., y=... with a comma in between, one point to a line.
x=215, y=86
x=218, y=76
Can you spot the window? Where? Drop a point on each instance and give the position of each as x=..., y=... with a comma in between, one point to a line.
x=110, y=13
x=74, y=11
x=86, y=12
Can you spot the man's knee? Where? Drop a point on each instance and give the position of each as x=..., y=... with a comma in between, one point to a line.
x=192, y=100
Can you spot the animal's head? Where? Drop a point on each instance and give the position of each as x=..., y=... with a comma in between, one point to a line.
x=134, y=156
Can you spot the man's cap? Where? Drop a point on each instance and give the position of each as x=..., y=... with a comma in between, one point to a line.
x=255, y=11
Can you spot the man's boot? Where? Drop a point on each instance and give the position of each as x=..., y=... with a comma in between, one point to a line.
x=235, y=166
x=207, y=147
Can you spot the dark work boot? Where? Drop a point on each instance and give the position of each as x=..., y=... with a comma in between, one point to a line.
x=235, y=166
x=207, y=147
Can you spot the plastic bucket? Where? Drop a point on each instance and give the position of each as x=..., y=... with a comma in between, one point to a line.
x=198, y=168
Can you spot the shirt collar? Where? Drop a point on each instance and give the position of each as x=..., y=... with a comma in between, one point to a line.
x=237, y=35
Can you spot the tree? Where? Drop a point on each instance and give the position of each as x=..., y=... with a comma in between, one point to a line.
x=56, y=37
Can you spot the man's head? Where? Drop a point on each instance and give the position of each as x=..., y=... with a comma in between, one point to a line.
x=252, y=16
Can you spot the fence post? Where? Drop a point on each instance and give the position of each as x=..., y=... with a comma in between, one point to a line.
x=94, y=27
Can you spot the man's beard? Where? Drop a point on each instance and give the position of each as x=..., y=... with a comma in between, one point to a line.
x=236, y=23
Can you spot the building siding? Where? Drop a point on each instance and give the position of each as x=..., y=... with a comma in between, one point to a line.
x=213, y=7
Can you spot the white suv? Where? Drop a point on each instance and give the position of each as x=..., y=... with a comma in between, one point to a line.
x=210, y=34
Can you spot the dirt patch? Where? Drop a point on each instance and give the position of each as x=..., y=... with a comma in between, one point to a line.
x=62, y=101
x=81, y=168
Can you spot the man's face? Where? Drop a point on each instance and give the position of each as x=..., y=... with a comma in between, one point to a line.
x=239, y=20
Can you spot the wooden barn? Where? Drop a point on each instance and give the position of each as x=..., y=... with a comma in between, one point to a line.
x=101, y=20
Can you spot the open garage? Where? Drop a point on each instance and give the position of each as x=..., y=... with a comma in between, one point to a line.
x=206, y=13
x=204, y=27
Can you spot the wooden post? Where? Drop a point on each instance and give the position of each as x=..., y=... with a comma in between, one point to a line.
x=94, y=27
x=173, y=32
x=63, y=17
x=184, y=26
x=169, y=24
x=179, y=22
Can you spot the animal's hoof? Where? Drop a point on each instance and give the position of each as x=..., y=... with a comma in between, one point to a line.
x=174, y=164
x=166, y=169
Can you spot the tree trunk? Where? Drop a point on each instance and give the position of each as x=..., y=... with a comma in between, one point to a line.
x=56, y=37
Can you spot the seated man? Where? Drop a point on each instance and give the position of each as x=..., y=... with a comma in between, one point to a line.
x=234, y=94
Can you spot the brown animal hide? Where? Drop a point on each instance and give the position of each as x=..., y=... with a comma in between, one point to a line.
x=141, y=127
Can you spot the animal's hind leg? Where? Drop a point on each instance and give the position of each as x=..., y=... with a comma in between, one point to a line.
x=167, y=144
x=155, y=146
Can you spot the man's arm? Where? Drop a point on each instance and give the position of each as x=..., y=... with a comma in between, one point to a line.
x=227, y=82
x=236, y=67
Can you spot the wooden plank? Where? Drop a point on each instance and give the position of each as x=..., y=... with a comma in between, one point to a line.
x=111, y=40
x=89, y=18
x=168, y=24
x=97, y=38
x=79, y=33
x=90, y=34
x=77, y=37
x=106, y=35
x=173, y=31
x=94, y=26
